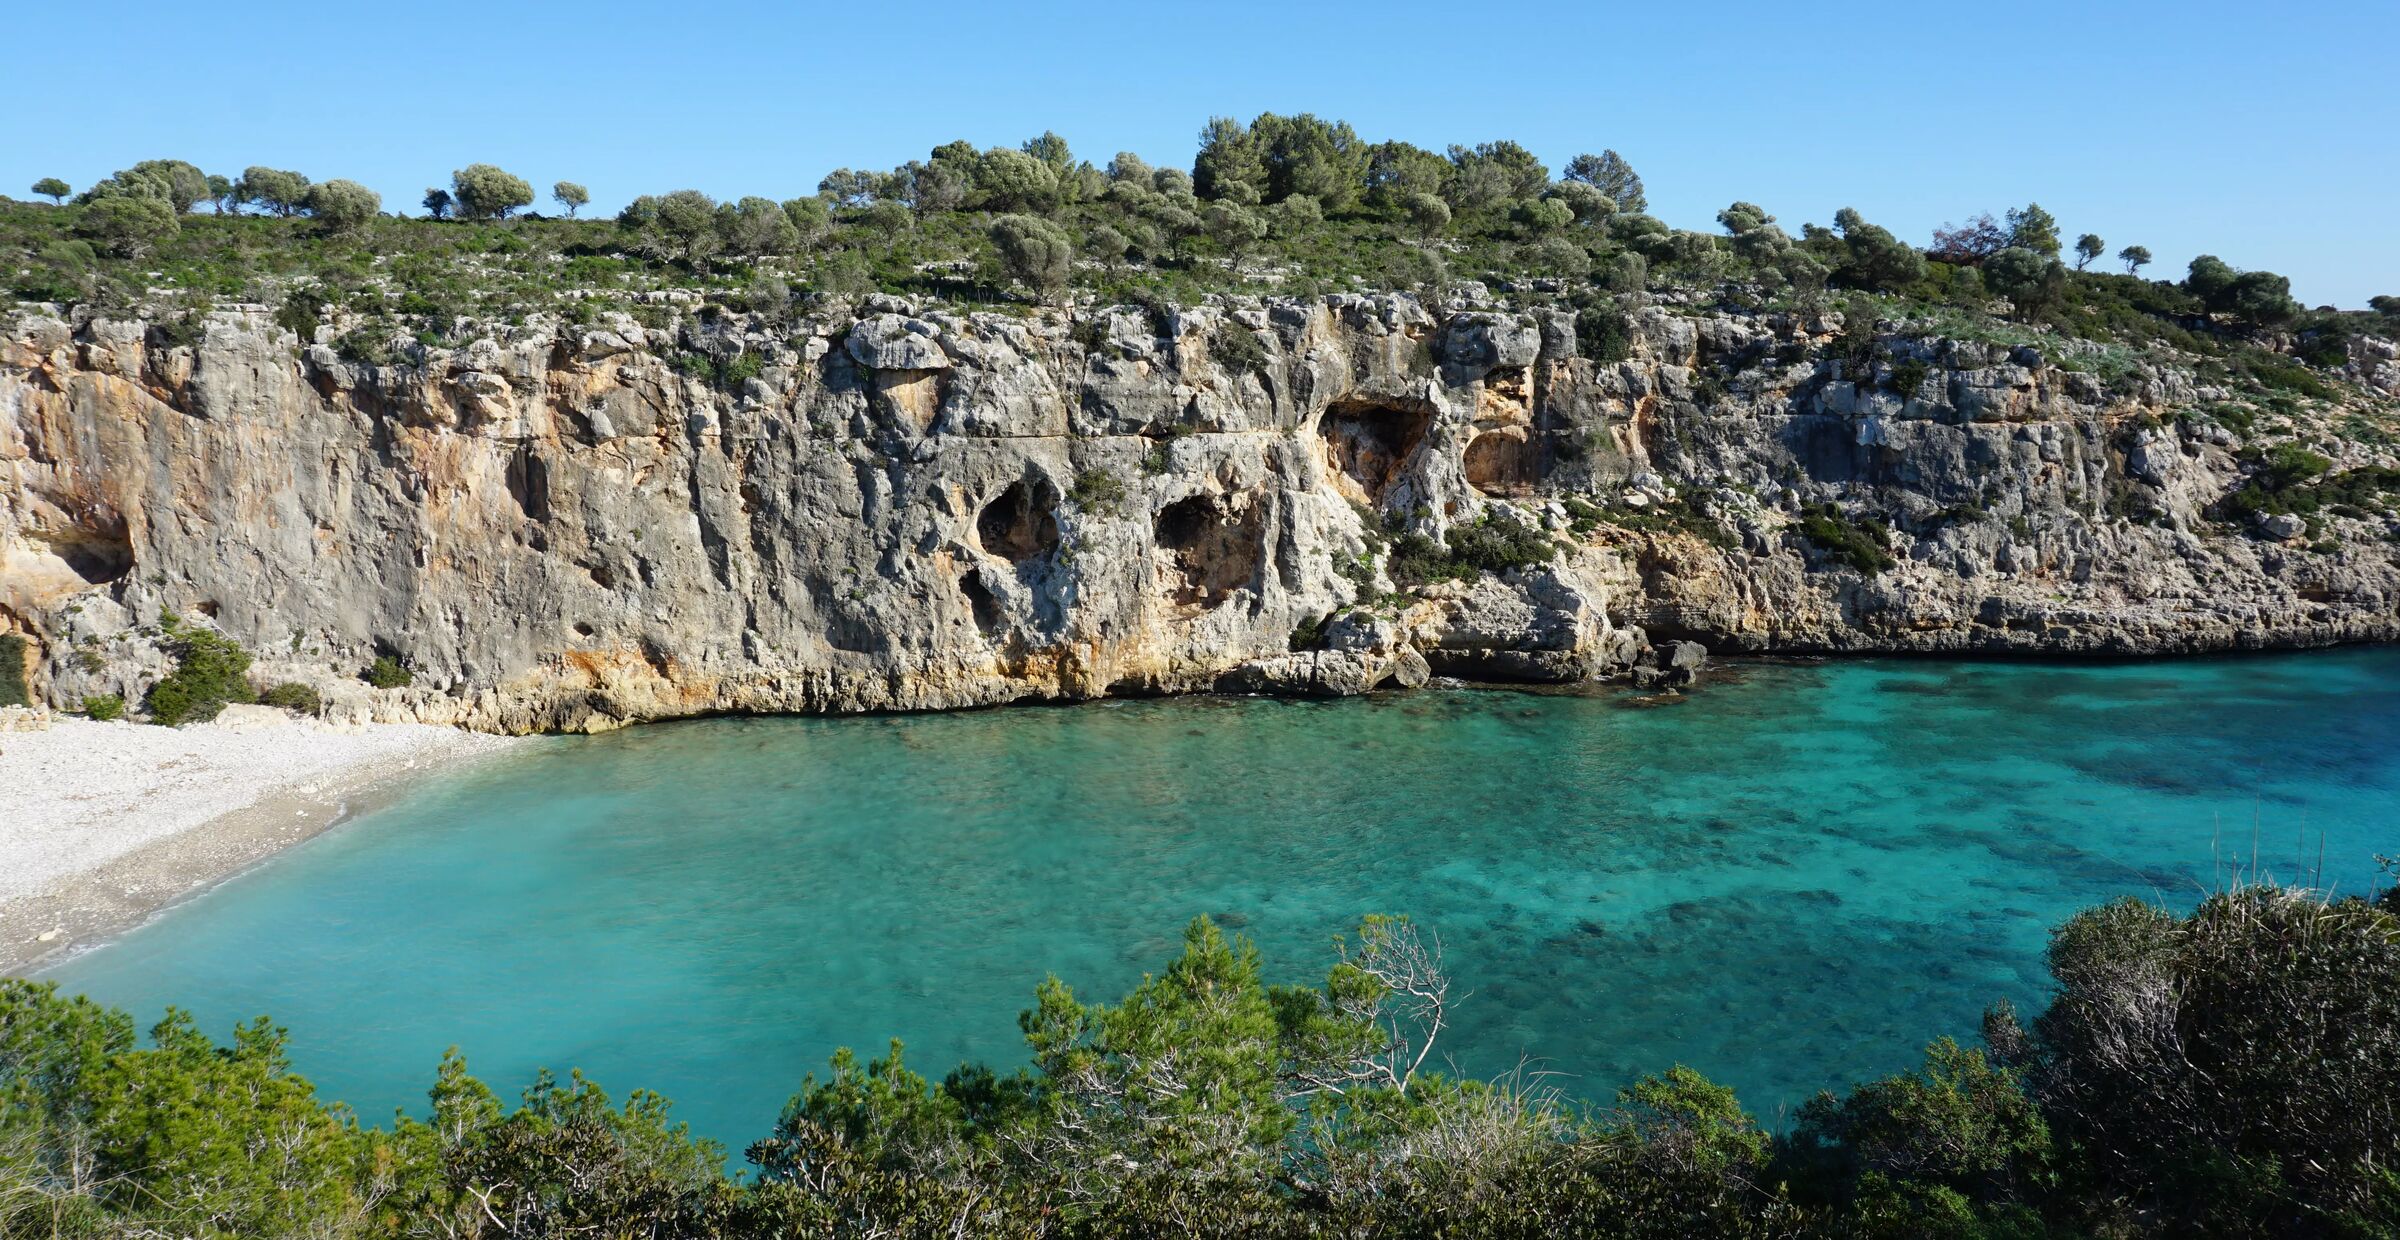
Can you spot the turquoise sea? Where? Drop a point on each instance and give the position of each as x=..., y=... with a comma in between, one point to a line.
x=1794, y=877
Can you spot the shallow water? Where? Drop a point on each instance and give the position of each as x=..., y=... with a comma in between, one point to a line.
x=1789, y=880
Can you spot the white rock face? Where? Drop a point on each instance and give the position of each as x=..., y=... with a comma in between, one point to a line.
x=561, y=527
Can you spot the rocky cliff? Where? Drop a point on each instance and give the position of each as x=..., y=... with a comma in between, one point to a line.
x=575, y=526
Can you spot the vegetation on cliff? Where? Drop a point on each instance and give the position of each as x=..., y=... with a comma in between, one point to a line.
x=1284, y=204
x=2230, y=1071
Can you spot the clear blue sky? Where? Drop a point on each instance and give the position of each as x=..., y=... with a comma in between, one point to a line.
x=2266, y=134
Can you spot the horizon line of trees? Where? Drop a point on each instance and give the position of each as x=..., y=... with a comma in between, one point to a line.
x=2230, y=1071
x=1277, y=176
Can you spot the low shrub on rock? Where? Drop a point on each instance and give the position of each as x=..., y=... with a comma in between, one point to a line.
x=294, y=696
x=13, y=690
x=212, y=671
x=1493, y=544
x=387, y=673
x=1860, y=546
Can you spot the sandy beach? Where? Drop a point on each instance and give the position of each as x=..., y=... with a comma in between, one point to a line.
x=104, y=824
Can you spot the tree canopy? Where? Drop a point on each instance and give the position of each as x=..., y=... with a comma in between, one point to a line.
x=483, y=192
x=2230, y=1070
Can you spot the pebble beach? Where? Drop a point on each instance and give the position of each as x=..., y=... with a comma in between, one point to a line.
x=106, y=823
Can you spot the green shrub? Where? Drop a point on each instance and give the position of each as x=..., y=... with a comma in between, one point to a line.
x=1097, y=490
x=2289, y=478
x=13, y=689
x=104, y=707
x=1858, y=545
x=294, y=696
x=1672, y=516
x=1493, y=544
x=183, y=331
x=387, y=673
x=369, y=342
x=2223, y=1073
x=1603, y=335
x=1419, y=559
x=2232, y=1069
x=301, y=314
x=2275, y=373
x=1236, y=348
x=724, y=374
x=212, y=671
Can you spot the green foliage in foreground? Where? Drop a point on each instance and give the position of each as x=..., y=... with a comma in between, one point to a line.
x=2231, y=1072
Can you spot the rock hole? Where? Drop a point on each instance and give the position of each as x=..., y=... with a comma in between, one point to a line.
x=1369, y=445
x=582, y=629
x=98, y=556
x=1217, y=545
x=1506, y=389
x=1501, y=463
x=529, y=482
x=986, y=609
x=1021, y=523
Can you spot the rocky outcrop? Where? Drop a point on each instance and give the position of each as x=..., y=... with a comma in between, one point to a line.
x=572, y=527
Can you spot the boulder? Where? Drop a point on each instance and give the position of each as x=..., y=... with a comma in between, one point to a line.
x=891, y=342
x=1670, y=666
x=2282, y=526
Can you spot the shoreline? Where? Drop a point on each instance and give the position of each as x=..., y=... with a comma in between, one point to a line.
x=114, y=823
x=198, y=828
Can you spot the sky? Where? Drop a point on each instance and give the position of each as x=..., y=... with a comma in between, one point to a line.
x=2268, y=135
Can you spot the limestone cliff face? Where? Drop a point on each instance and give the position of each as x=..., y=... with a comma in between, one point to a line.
x=573, y=527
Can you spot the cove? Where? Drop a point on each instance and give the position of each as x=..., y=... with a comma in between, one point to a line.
x=1790, y=880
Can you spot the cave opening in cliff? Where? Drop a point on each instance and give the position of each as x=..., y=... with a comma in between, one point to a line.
x=1216, y=544
x=97, y=555
x=981, y=603
x=1021, y=522
x=1369, y=444
x=529, y=483
x=1502, y=463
